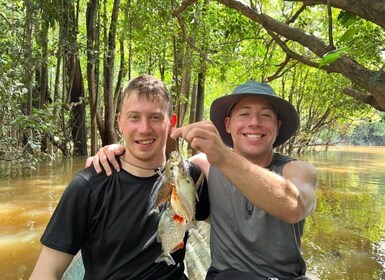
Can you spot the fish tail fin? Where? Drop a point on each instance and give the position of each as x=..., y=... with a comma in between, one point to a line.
x=165, y=258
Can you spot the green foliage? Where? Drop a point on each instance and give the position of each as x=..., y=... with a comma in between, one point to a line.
x=364, y=37
x=370, y=132
x=22, y=135
x=346, y=19
x=224, y=44
x=332, y=56
x=152, y=31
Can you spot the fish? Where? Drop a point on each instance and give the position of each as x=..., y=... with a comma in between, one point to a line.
x=175, y=190
x=176, y=186
x=184, y=194
x=161, y=192
x=171, y=231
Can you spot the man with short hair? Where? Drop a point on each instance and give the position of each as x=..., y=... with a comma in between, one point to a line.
x=109, y=218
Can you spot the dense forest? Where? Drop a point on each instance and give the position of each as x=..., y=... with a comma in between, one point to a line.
x=64, y=63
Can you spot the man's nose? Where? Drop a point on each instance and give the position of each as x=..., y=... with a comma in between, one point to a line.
x=255, y=120
x=145, y=125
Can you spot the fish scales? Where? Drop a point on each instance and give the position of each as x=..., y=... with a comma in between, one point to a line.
x=177, y=187
x=184, y=194
x=171, y=232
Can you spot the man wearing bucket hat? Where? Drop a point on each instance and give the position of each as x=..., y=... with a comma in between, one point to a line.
x=222, y=106
x=259, y=199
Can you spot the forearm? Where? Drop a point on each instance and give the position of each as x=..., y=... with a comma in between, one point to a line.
x=265, y=189
x=51, y=265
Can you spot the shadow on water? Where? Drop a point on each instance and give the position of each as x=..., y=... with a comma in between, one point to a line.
x=343, y=239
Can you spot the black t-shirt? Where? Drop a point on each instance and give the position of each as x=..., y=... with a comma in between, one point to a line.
x=108, y=219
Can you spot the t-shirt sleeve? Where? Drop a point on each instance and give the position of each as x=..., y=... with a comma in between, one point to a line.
x=67, y=229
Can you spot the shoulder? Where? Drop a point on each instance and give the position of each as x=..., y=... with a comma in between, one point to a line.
x=300, y=166
x=86, y=180
x=282, y=159
x=301, y=173
x=292, y=167
x=279, y=162
x=84, y=176
x=290, y=163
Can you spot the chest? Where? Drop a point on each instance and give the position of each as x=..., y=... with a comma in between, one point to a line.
x=121, y=211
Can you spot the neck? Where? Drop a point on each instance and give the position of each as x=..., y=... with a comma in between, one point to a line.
x=140, y=170
x=268, y=160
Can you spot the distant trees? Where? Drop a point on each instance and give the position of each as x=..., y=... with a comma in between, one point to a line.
x=369, y=133
x=63, y=65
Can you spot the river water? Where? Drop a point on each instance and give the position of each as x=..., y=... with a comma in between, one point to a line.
x=343, y=239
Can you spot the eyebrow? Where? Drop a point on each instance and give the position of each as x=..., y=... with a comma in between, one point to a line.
x=247, y=106
x=148, y=114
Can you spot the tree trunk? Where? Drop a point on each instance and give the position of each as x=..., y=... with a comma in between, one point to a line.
x=193, y=104
x=27, y=79
x=185, y=91
x=78, y=118
x=42, y=75
x=109, y=109
x=200, y=96
x=92, y=66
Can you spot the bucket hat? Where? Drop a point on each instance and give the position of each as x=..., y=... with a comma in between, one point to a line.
x=221, y=107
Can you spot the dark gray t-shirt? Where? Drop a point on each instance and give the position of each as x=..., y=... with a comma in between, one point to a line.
x=246, y=238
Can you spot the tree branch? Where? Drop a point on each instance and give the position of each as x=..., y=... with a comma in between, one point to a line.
x=358, y=95
x=330, y=25
x=349, y=68
x=372, y=10
x=178, y=14
x=282, y=69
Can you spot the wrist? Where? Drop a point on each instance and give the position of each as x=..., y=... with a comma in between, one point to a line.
x=225, y=157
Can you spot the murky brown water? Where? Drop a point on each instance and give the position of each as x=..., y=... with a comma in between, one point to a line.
x=344, y=238
x=26, y=205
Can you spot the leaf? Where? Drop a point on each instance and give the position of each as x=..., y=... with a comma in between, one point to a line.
x=346, y=18
x=332, y=56
x=348, y=35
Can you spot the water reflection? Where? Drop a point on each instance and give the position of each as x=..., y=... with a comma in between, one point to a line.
x=26, y=205
x=344, y=238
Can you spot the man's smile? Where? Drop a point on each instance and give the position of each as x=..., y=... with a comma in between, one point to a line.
x=253, y=135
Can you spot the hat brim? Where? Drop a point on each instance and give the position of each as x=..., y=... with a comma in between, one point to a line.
x=287, y=113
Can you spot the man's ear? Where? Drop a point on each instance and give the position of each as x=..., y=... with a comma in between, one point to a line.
x=227, y=122
x=119, y=117
x=173, y=120
x=279, y=126
x=171, y=144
